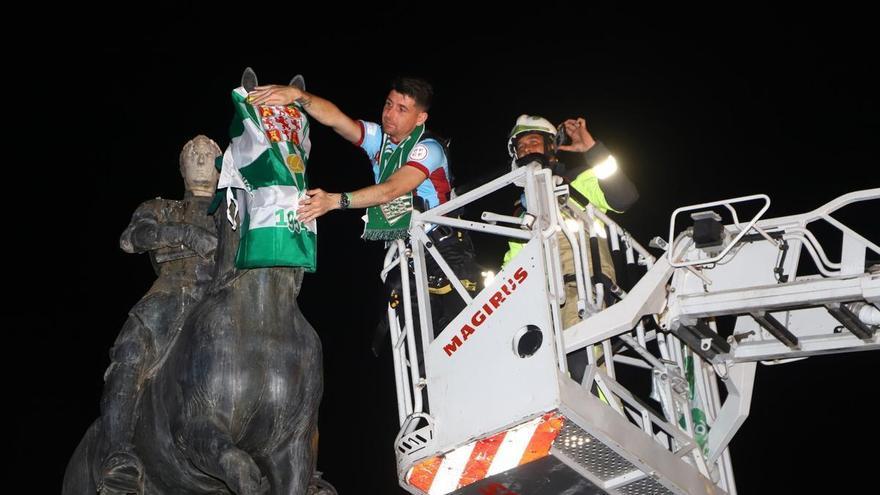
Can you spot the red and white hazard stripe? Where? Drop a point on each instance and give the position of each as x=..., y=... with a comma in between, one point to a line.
x=483, y=458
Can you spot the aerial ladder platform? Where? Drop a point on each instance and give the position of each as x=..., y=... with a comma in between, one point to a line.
x=488, y=405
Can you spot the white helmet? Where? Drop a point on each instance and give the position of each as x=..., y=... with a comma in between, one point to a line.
x=530, y=124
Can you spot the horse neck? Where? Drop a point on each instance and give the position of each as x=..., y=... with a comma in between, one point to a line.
x=227, y=246
x=280, y=284
x=277, y=284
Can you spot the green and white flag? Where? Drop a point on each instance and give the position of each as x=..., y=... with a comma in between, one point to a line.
x=701, y=424
x=267, y=158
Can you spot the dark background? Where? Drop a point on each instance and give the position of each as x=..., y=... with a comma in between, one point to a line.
x=696, y=105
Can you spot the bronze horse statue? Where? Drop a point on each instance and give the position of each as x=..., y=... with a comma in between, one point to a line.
x=233, y=405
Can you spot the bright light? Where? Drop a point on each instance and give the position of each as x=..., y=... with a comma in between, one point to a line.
x=574, y=226
x=488, y=277
x=606, y=168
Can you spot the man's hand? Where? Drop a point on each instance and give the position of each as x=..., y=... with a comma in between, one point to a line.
x=317, y=203
x=275, y=95
x=581, y=140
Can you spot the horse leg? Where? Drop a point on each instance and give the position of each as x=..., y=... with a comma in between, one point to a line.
x=79, y=476
x=210, y=448
x=291, y=467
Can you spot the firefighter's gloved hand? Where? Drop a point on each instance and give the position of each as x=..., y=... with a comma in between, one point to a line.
x=580, y=138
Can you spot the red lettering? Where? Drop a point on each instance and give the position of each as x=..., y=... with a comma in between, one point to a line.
x=478, y=318
x=452, y=346
x=496, y=299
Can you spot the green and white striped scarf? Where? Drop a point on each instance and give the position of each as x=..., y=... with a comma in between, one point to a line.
x=267, y=157
x=391, y=220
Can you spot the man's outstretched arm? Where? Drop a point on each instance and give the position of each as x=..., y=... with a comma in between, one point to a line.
x=324, y=111
x=401, y=182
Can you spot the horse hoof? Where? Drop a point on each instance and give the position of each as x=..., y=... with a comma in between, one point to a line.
x=122, y=474
x=242, y=474
x=319, y=486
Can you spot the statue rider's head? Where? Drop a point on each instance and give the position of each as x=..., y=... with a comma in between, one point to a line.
x=197, y=166
x=532, y=138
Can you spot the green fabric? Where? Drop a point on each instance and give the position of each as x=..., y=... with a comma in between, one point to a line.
x=513, y=249
x=588, y=184
x=391, y=220
x=268, y=170
x=287, y=248
x=267, y=158
x=701, y=425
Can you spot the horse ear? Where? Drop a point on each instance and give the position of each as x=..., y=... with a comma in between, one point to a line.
x=298, y=81
x=249, y=80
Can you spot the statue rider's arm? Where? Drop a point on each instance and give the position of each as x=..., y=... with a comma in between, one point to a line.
x=318, y=108
x=147, y=231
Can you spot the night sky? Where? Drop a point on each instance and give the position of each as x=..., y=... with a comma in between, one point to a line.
x=697, y=106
